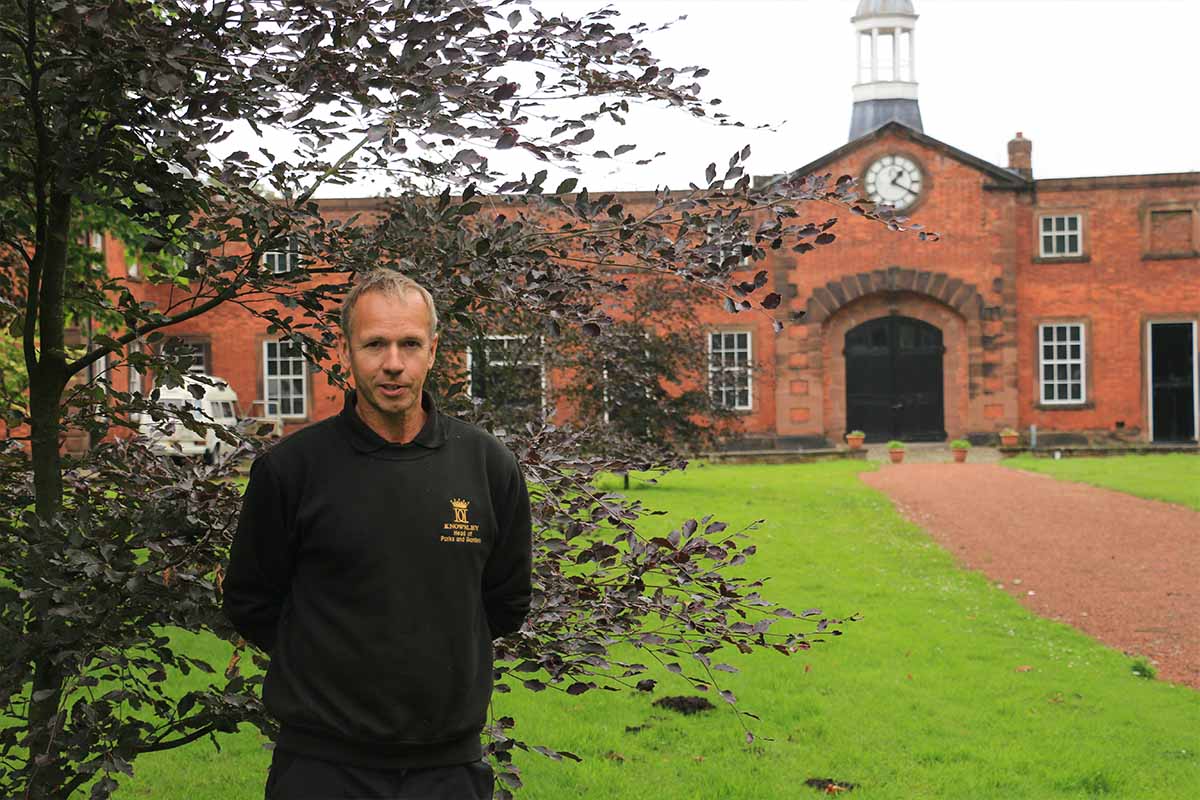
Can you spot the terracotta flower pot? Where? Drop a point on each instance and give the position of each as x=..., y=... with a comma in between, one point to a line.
x=896, y=455
x=959, y=455
x=1009, y=441
x=855, y=442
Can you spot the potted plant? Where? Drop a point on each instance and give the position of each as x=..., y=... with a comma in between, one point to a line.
x=896, y=450
x=855, y=439
x=960, y=447
x=1009, y=437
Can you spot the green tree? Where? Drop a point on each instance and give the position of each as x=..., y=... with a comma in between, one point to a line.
x=112, y=111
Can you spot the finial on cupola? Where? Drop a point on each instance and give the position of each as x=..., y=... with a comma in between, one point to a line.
x=886, y=86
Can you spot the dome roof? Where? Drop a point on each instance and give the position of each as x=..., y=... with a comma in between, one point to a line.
x=878, y=8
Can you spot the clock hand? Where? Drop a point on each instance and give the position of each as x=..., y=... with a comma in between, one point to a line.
x=895, y=181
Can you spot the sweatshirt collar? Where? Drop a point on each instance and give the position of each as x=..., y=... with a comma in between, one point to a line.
x=430, y=437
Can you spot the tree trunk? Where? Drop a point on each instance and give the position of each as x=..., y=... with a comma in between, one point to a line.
x=46, y=384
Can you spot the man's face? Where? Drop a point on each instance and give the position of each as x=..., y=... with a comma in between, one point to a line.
x=389, y=352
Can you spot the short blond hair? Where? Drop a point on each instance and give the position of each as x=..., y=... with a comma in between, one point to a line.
x=391, y=283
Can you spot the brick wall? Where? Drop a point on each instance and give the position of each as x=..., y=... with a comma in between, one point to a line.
x=1114, y=289
x=985, y=285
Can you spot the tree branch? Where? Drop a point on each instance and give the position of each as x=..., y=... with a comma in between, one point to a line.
x=159, y=744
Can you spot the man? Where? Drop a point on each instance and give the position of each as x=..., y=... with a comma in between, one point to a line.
x=378, y=554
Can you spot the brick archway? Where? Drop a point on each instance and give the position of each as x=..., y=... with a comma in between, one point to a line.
x=958, y=332
x=825, y=301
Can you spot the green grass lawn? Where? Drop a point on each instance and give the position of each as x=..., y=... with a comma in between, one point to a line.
x=946, y=689
x=1174, y=477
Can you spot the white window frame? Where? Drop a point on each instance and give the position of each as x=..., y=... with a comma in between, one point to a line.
x=136, y=385
x=268, y=401
x=539, y=363
x=281, y=262
x=714, y=369
x=1058, y=235
x=199, y=365
x=1056, y=361
x=725, y=252
x=604, y=386
x=97, y=371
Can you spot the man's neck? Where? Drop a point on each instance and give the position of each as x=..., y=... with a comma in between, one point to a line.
x=396, y=430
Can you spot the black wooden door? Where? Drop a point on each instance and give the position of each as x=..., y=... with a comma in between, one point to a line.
x=894, y=380
x=1172, y=373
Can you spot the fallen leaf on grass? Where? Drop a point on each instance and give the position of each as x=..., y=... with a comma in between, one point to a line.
x=613, y=756
x=1024, y=668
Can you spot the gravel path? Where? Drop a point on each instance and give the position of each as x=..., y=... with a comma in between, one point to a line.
x=1122, y=569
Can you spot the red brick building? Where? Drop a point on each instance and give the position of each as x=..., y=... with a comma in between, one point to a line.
x=1069, y=304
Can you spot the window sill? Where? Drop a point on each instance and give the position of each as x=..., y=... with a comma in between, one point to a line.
x=1086, y=406
x=1170, y=256
x=1084, y=259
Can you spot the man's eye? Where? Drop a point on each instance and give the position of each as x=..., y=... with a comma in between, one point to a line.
x=374, y=344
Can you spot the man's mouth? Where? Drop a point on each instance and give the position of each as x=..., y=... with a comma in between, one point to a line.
x=392, y=388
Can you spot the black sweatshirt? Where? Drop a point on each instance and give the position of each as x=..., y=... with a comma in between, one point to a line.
x=376, y=576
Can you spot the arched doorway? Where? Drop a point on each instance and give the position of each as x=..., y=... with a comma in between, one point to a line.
x=894, y=380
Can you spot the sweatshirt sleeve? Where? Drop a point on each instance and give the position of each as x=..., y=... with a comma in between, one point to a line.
x=260, y=565
x=507, y=574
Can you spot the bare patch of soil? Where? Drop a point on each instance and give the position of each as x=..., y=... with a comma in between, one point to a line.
x=685, y=705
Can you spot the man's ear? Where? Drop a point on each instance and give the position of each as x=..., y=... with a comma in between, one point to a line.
x=433, y=343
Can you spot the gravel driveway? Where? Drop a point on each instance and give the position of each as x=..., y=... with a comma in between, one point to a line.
x=1122, y=569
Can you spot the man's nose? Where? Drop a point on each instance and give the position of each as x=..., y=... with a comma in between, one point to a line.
x=393, y=360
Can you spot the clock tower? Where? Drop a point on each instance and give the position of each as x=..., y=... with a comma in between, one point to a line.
x=886, y=85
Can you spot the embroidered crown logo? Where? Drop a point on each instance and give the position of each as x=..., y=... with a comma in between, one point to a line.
x=460, y=509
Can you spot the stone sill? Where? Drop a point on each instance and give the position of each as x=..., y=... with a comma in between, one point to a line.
x=1066, y=407
x=1084, y=259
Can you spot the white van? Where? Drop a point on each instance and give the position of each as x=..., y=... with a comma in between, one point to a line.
x=217, y=404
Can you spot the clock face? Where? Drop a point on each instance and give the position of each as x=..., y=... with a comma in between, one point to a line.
x=894, y=180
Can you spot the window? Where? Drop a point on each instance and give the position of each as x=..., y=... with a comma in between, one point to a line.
x=98, y=370
x=285, y=379
x=133, y=269
x=507, y=371
x=281, y=261
x=727, y=249
x=96, y=241
x=194, y=356
x=1062, y=364
x=135, y=376
x=626, y=399
x=1061, y=236
x=729, y=369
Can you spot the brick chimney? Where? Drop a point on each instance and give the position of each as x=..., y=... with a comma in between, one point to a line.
x=1020, y=156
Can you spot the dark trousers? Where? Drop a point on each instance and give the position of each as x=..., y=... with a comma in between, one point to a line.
x=296, y=777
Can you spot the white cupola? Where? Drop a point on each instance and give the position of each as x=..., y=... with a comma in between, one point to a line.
x=886, y=85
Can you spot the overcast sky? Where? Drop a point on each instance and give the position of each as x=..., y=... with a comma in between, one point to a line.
x=1101, y=87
